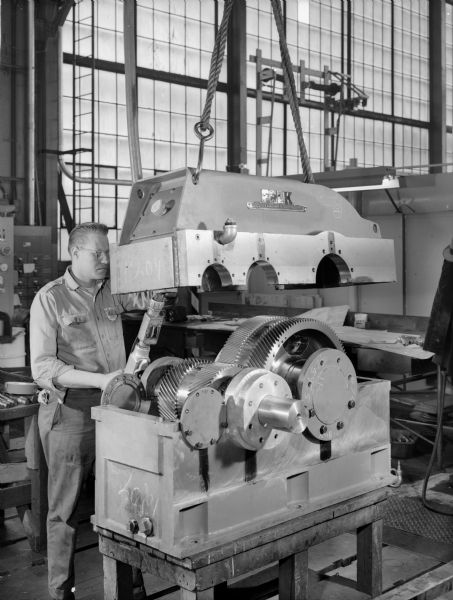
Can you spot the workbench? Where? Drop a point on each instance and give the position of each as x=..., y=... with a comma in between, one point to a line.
x=23, y=485
x=204, y=574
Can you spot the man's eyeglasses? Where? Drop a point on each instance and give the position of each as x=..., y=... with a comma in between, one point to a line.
x=98, y=254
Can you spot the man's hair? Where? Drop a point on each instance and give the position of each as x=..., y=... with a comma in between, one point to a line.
x=79, y=233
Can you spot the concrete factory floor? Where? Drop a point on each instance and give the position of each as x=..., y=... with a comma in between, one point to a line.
x=415, y=541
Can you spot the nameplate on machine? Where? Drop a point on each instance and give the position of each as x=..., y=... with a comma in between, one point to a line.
x=276, y=200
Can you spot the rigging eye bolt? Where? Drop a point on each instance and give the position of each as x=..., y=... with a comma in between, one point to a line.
x=204, y=131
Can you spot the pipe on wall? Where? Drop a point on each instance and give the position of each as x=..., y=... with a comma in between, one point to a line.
x=63, y=166
x=30, y=109
x=130, y=72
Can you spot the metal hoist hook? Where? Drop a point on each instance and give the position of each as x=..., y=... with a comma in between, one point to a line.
x=204, y=131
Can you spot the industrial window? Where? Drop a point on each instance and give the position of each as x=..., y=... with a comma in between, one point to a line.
x=381, y=45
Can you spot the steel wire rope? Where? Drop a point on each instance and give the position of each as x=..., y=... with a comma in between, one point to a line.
x=203, y=129
x=291, y=90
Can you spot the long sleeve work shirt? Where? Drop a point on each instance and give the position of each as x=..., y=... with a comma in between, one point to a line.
x=71, y=328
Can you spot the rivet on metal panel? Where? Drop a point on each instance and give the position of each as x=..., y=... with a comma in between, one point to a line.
x=340, y=425
x=351, y=404
x=323, y=429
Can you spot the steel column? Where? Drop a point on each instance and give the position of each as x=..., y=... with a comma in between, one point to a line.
x=437, y=85
x=237, y=89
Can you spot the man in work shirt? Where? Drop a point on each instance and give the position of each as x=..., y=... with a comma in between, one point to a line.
x=76, y=348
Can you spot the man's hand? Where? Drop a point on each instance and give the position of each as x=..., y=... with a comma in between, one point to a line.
x=105, y=379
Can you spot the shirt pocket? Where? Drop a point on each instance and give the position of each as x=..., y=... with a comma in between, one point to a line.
x=112, y=312
x=77, y=330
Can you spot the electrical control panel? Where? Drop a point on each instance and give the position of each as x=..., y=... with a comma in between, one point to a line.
x=7, y=273
x=33, y=260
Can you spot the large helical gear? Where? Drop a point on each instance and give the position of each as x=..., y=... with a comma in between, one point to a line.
x=279, y=344
x=241, y=342
x=170, y=396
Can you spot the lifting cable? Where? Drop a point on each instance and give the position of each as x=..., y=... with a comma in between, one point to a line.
x=204, y=130
x=291, y=90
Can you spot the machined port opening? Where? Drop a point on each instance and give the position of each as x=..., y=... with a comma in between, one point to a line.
x=260, y=274
x=332, y=272
x=216, y=277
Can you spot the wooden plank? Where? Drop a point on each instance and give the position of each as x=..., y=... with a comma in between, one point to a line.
x=133, y=556
x=15, y=495
x=12, y=473
x=293, y=577
x=425, y=587
x=197, y=595
x=39, y=506
x=369, y=558
x=214, y=593
x=117, y=580
x=18, y=412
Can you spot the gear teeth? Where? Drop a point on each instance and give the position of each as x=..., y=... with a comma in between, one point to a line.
x=168, y=389
x=239, y=341
x=210, y=374
x=269, y=344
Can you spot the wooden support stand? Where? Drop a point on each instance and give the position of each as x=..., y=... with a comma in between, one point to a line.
x=23, y=485
x=203, y=575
